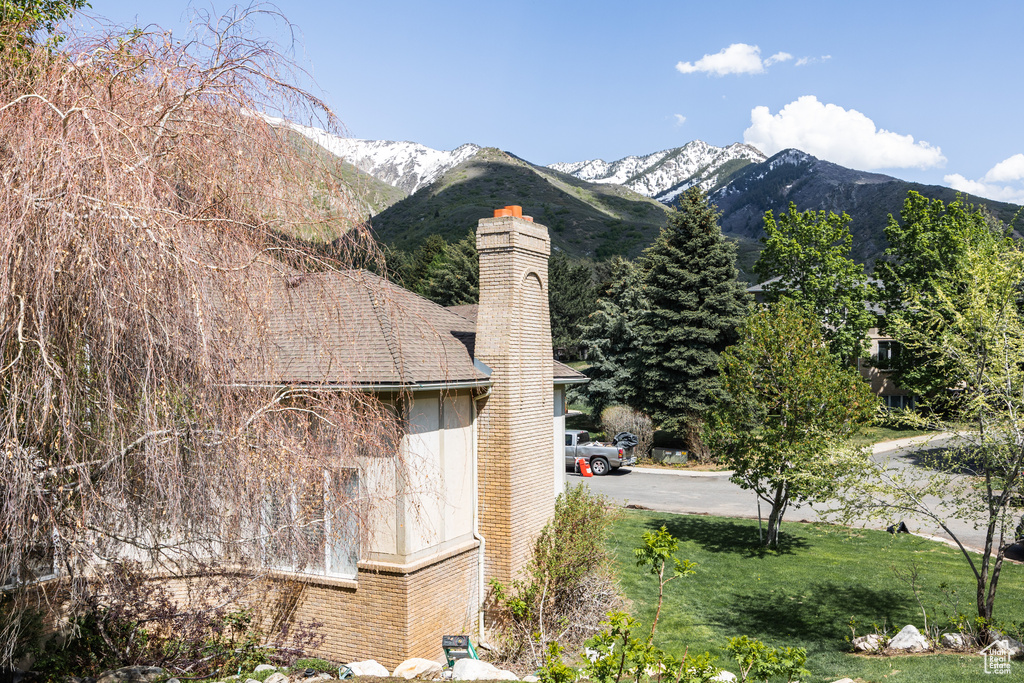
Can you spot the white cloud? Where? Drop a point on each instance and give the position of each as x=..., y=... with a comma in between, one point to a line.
x=804, y=61
x=680, y=119
x=842, y=136
x=778, y=57
x=738, y=58
x=1003, y=182
x=1007, y=169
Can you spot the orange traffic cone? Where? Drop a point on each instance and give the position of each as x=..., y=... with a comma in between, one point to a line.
x=584, y=467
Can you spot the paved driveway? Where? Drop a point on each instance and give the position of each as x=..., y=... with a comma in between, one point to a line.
x=714, y=494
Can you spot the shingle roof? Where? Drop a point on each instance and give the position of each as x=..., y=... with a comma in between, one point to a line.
x=356, y=328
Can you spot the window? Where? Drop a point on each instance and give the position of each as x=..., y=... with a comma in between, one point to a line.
x=899, y=402
x=314, y=527
x=888, y=351
x=568, y=439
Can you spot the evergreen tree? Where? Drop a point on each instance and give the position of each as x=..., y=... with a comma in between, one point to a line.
x=809, y=254
x=609, y=338
x=570, y=300
x=455, y=278
x=695, y=303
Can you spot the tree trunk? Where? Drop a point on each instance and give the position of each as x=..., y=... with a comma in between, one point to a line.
x=695, y=441
x=775, y=518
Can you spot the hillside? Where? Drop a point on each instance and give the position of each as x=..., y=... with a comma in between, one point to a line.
x=811, y=183
x=585, y=219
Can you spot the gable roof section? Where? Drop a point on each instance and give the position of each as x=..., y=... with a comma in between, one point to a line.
x=354, y=328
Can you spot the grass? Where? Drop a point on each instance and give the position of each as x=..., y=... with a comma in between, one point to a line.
x=805, y=594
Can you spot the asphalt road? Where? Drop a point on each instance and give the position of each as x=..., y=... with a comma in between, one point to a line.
x=714, y=494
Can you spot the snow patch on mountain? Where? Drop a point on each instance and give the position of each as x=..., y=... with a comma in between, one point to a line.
x=405, y=165
x=664, y=175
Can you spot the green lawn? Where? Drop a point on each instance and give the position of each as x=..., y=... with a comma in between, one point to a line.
x=805, y=594
x=873, y=434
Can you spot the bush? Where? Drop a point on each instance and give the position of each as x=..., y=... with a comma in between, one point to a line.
x=568, y=588
x=615, y=419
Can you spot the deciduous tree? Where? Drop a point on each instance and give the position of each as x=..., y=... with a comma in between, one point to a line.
x=806, y=258
x=790, y=408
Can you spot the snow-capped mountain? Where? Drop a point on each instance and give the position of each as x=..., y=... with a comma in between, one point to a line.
x=405, y=165
x=664, y=175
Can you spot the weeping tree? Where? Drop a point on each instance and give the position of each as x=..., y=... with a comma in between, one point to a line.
x=146, y=211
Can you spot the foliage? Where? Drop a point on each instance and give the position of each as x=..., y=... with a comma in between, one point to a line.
x=790, y=412
x=609, y=338
x=554, y=669
x=453, y=277
x=615, y=419
x=964, y=322
x=803, y=595
x=927, y=245
x=617, y=651
x=566, y=589
x=142, y=624
x=808, y=254
x=147, y=218
x=316, y=664
x=658, y=550
x=571, y=300
x=761, y=663
x=694, y=304
x=20, y=20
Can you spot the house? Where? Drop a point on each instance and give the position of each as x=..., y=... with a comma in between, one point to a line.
x=484, y=404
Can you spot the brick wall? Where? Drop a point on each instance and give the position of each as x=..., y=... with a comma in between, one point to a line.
x=513, y=337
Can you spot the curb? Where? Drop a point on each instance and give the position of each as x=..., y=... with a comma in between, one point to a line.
x=680, y=473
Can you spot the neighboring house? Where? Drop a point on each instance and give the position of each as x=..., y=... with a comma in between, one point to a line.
x=484, y=403
x=875, y=368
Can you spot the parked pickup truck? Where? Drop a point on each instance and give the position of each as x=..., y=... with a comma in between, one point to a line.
x=603, y=458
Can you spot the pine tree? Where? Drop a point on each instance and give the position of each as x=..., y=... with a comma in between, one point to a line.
x=571, y=300
x=609, y=338
x=453, y=277
x=694, y=305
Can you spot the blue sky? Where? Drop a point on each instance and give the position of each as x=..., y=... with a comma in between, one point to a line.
x=927, y=91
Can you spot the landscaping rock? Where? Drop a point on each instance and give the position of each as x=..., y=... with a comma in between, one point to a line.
x=275, y=678
x=476, y=670
x=369, y=667
x=131, y=674
x=1005, y=645
x=845, y=680
x=954, y=641
x=869, y=643
x=724, y=676
x=530, y=679
x=262, y=667
x=417, y=667
x=909, y=640
x=251, y=680
x=173, y=680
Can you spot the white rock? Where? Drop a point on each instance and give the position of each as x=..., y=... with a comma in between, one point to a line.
x=476, y=670
x=275, y=678
x=909, y=639
x=724, y=676
x=417, y=667
x=1005, y=645
x=844, y=680
x=869, y=643
x=368, y=667
x=324, y=676
x=954, y=641
x=265, y=667
x=530, y=679
x=251, y=680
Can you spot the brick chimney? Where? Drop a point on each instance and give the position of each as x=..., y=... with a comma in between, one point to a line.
x=515, y=424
